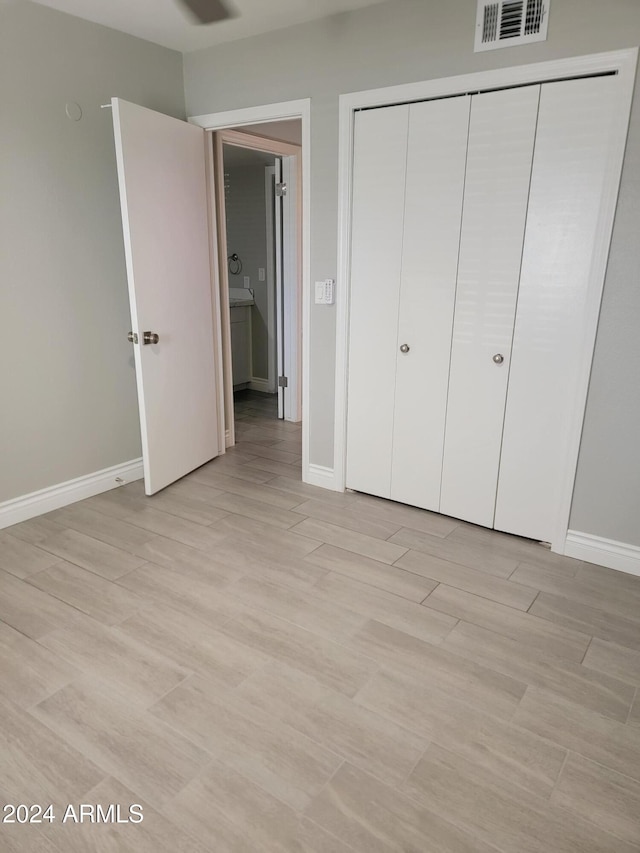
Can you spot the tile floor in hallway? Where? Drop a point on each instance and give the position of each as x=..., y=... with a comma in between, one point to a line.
x=267, y=666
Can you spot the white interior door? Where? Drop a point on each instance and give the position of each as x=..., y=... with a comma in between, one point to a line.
x=436, y=156
x=570, y=170
x=501, y=141
x=163, y=194
x=380, y=145
x=280, y=301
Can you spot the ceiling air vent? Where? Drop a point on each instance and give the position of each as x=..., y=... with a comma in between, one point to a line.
x=509, y=22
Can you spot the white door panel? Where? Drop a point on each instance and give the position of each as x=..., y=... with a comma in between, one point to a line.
x=436, y=157
x=378, y=208
x=280, y=301
x=162, y=178
x=569, y=169
x=501, y=140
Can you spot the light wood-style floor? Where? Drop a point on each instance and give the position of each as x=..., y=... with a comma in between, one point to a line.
x=267, y=666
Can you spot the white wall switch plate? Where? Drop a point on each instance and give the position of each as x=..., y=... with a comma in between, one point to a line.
x=247, y=281
x=261, y=274
x=325, y=292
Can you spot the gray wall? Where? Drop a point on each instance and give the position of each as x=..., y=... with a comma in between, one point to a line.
x=409, y=40
x=247, y=236
x=68, y=402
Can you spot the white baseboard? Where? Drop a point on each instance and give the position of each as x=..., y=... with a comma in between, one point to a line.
x=318, y=475
x=604, y=552
x=260, y=385
x=55, y=497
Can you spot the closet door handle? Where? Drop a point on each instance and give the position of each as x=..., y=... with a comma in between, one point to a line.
x=404, y=348
x=498, y=358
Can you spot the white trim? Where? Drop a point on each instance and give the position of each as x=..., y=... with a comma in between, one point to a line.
x=54, y=497
x=269, y=177
x=318, y=475
x=276, y=112
x=622, y=62
x=262, y=385
x=603, y=552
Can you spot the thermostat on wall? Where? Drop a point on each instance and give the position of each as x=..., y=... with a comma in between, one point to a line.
x=325, y=291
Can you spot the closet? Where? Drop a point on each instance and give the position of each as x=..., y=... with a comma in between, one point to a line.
x=473, y=222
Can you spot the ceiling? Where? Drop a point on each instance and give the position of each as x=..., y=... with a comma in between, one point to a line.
x=167, y=23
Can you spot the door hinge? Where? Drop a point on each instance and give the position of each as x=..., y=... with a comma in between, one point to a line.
x=281, y=190
x=283, y=382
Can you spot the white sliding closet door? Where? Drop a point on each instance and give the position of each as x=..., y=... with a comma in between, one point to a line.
x=571, y=163
x=380, y=146
x=436, y=156
x=501, y=142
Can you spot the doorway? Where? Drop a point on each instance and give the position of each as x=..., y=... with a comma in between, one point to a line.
x=258, y=212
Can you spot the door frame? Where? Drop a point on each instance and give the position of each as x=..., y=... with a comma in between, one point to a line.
x=622, y=63
x=299, y=109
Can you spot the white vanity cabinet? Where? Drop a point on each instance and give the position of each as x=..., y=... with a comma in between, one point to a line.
x=241, y=345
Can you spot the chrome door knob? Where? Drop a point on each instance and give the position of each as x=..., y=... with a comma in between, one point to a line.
x=498, y=358
x=150, y=338
x=132, y=338
x=404, y=348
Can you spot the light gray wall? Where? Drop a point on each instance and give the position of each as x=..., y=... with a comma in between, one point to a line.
x=68, y=402
x=408, y=40
x=247, y=235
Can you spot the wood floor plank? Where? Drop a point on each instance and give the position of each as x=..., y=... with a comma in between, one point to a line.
x=275, y=540
x=474, y=556
x=138, y=749
x=364, y=569
x=531, y=630
x=428, y=665
x=139, y=674
x=30, y=672
x=193, y=644
x=479, y=583
x=99, y=598
x=256, y=491
x=36, y=765
x=374, y=818
x=579, y=729
x=595, y=690
x=92, y=554
x=602, y=796
x=270, y=453
x=199, y=565
x=198, y=536
x=588, y=619
x=33, y=612
x=200, y=599
x=349, y=540
x=343, y=516
x=523, y=550
x=499, y=814
x=615, y=660
x=284, y=762
x=366, y=739
x=392, y=610
x=407, y=516
x=22, y=558
x=97, y=525
x=153, y=834
x=590, y=591
x=229, y=814
x=512, y=753
x=299, y=607
x=35, y=529
x=330, y=663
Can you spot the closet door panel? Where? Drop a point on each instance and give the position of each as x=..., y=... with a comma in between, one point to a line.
x=570, y=165
x=380, y=146
x=436, y=158
x=501, y=140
